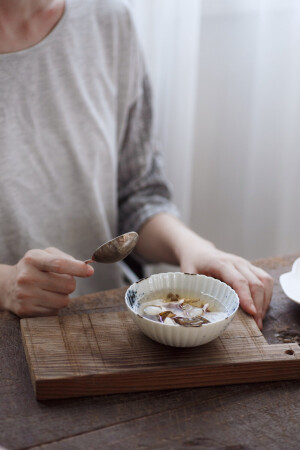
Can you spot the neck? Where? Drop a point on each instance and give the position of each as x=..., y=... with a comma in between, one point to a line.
x=22, y=9
x=24, y=23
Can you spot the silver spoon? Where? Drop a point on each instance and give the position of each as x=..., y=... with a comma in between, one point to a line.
x=116, y=249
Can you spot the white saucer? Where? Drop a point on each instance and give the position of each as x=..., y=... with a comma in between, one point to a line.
x=290, y=282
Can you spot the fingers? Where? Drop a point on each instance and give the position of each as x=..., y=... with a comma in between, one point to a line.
x=48, y=281
x=257, y=292
x=268, y=283
x=56, y=251
x=31, y=300
x=57, y=262
x=53, y=282
x=252, y=284
x=23, y=310
x=261, y=286
x=230, y=275
x=42, y=280
x=34, y=296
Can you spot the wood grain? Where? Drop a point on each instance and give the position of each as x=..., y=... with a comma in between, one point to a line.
x=104, y=353
x=240, y=416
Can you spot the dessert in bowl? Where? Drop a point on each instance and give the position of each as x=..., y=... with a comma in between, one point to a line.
x=181, y=309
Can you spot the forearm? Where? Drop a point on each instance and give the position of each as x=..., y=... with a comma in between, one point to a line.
x=164, y=238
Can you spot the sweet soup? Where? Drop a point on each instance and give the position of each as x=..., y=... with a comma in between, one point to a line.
x=175, y=309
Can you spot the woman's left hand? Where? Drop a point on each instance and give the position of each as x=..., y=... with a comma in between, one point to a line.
x=252, y=284
x=164, y=238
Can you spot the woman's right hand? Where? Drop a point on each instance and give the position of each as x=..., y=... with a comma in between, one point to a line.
x=40, y=283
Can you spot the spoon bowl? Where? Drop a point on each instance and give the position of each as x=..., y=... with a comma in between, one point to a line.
x=116, y=249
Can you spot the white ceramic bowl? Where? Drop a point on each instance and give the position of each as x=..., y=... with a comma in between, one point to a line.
x=290, y=282
x=188, y=285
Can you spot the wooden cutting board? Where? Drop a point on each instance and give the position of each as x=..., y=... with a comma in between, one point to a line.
x=104, y=353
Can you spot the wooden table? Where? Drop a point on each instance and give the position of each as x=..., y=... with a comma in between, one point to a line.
x=249, y=416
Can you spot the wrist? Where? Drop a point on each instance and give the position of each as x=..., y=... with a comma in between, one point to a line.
x=190, y=241
x=5, y=285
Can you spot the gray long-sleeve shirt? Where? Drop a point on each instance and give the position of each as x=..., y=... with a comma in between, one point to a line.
x=78, y=164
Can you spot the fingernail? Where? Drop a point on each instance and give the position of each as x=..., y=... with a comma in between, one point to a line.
x=253, y=309
x=90, y=270
x=260, y=325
